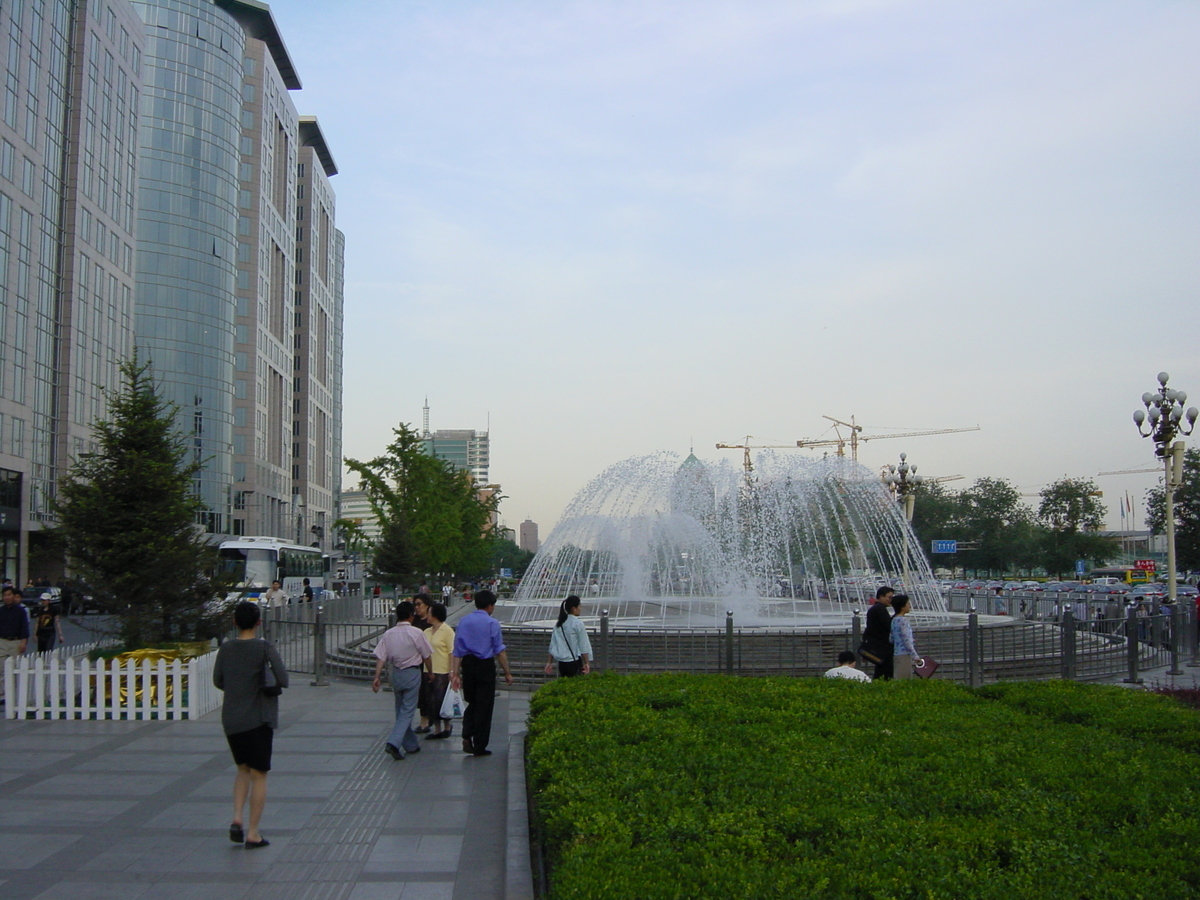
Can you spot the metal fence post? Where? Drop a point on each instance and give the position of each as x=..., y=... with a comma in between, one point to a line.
x=1131, y=642
x=729, y=642
x=1176, y=625
x=603, y=642
x=1067, y=644
x=319, y=679
x=856, y=632
x=974, y=668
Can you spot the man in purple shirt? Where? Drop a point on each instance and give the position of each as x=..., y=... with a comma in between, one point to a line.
x=477, y=647
x=403, y=649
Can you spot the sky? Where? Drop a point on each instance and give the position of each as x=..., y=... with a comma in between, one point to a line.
x=607, y=229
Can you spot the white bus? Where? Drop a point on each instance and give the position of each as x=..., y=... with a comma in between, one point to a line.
x=257, y=561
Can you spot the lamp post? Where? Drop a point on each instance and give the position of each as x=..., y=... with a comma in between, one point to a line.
x=902, y=482
x=1164, y=419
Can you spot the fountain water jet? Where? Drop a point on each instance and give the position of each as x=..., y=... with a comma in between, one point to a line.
x=802, y=543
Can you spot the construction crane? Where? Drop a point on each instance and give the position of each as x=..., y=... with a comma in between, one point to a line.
x=747, y=447
x=856, y=436
x=1155, y=471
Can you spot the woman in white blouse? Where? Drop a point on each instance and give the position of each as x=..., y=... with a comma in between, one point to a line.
x=569, y=644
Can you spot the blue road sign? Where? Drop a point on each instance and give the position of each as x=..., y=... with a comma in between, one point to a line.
x=1080, y=568
x=945, y=546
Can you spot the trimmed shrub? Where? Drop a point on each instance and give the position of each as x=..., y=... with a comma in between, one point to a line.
x=673, y=786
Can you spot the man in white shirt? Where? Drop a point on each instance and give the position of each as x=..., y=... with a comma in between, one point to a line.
x=275, y=596
x=847, y=668
x=405, y=650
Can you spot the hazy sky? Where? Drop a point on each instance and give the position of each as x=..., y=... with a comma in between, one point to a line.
x=612, y=228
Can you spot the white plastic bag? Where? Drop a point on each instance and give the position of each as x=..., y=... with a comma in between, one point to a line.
x=453, y=705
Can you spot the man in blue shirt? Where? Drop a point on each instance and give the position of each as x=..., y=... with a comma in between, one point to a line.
x=477, y=648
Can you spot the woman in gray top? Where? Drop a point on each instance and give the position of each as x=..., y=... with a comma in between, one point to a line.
x=249, y=717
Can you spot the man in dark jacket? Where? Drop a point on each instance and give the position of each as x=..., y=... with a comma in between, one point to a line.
x=877, y=636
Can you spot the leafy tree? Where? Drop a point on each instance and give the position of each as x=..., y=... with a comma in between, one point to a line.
x=992, y=515
x=447, y=522
x=1187, y=513
x=1070, y=513
x=394, y=552
x=936, y=512
x=127, y=516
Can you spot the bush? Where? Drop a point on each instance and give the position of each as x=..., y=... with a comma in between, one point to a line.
x=672, y=786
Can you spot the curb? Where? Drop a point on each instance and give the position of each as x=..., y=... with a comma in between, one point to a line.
x=518, y=874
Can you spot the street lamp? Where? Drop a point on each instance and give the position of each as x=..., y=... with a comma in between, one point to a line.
x=902, y=482
x=1164, y=419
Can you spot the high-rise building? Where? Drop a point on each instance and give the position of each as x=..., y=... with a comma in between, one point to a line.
x=241, y=264
x=68, y=169
x=463, y=448
x=528, y=536
x=158, y=189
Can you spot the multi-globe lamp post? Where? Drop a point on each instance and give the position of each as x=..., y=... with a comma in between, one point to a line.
x=1163, y=420
x=902, y=481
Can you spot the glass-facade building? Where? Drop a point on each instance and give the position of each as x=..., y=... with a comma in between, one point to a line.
x=152, y=179
x=68, y=163
x=187, y=219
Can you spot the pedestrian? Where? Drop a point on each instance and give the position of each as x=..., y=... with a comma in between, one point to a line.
x=876, y=644
x=275, y=596
x=14, y=628
x=447, y=594
x=477, y=648
x=441, y=639
x=902, y=638
x=47, y=624
x=421, y=620
x=569, y=644
x=308, y=592
x=405, y=651
x=249, y=716
x=847, y=667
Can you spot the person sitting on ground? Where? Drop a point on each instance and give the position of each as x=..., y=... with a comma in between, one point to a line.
x=847, y=667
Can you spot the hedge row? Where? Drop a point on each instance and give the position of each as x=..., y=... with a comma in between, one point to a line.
x=649, y=787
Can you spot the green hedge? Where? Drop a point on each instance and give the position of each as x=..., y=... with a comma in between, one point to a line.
x=649, y=787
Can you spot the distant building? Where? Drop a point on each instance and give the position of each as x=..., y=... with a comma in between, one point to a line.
x=356, y=508
x=463, y=448
x=528, y=540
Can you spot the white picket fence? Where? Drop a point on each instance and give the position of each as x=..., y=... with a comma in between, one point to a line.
x=58, y=686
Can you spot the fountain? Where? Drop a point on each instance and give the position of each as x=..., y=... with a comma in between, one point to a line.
x=797, y=543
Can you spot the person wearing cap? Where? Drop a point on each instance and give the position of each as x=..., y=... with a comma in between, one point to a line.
x=47, y=624
x=477, y=648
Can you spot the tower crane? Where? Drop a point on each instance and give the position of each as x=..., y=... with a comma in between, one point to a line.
x=1153, y=471
x=747, y=447
x=856, y=436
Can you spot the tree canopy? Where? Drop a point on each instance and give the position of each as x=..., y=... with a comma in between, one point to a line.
x=1187, y=513
x=432, y=517
x=127, y=517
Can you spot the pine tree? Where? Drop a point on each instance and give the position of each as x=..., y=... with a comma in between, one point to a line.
x=127, y=516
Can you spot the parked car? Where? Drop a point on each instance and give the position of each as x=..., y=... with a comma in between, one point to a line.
x=32, y=596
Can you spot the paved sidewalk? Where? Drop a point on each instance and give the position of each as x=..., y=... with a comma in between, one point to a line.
x=141, y=810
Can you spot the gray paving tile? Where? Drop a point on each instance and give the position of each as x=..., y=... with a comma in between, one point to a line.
x=190, y=890
x=62, y=814
x=279, y=786
x=215, y=857
x=428, y=813
x=24, y=851
x=65, y=743
x=409, y=853
x=210, y=814
x=312, y=762
x=377, y=890
x=84, y=784
x=145, y=762
x=428, y=890
x=30, y=760
x=158, y=852
x=67, y=890
x=167, y=743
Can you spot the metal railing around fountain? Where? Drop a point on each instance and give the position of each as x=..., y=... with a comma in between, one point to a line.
x=1066, y=640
